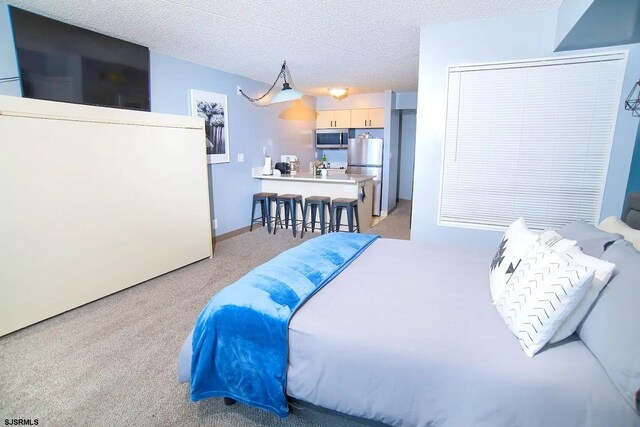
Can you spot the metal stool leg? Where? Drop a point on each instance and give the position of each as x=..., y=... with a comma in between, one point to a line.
x=293, y=208
x=314, y=209
x=287, y=210
x=304, y=219
x=268, y=213
x=263, y=210
x=278, y=218
x=338, y=217
x=322, y=219
x=253, y=213
x=355, y=210
x=350, y=218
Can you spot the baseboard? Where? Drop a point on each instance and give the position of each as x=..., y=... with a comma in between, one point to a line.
x=234, y=233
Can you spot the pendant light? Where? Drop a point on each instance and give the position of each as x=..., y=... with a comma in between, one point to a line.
x=286, y=94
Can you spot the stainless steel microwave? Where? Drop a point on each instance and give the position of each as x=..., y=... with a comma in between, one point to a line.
x=332, y=138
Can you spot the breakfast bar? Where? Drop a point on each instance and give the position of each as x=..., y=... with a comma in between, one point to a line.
x=335, y=185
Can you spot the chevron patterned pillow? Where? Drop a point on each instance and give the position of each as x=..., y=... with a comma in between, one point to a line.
x=602, y=273
x=543, y=291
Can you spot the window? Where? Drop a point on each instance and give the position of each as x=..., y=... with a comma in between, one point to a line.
x=529, y=139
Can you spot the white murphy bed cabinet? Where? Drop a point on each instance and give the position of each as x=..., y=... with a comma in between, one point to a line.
x=94, y=200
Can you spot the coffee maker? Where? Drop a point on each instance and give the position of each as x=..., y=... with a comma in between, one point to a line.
x=283, y=167
x=288, y=165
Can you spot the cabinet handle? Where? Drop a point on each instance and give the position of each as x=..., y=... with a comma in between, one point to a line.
x=365, y=123
x=369, y=122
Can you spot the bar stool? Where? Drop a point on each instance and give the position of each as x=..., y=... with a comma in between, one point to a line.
x=290, y=203
x=351, y=205
x=265, y=200
x=316, y=202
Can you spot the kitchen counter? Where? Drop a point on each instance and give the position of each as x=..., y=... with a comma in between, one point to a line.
x=335, y=185
x=334, y=177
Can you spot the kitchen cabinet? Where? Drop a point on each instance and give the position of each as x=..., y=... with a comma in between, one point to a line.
x=367, y=118
x=333, y=119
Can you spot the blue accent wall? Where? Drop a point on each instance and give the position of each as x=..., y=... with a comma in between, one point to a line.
x=250, y=129
x=8, y=62
x=634, y=174
x=603, y=23
x=407, y=153
x=508, y=38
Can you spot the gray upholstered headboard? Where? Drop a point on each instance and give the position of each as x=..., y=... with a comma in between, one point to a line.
x=631, y=213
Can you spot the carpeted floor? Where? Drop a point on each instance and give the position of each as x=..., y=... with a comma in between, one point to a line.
x=113, y=361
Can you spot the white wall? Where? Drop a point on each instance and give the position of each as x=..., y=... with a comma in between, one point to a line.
x=491, y=40
x=407, y=153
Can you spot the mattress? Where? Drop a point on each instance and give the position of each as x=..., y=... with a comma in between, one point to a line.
x=407, y=335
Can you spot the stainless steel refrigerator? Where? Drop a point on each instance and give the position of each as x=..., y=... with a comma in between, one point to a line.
x=364, y=157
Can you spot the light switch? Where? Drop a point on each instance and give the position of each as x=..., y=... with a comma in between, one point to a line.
x=240, y=157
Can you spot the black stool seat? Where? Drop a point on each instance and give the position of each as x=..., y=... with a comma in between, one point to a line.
x=265, y=195
x=337, y=206
x=316, y=202
x=318, y=199
x=289, y=196
x=265, y=200
x=345, y=202
x=290, y=203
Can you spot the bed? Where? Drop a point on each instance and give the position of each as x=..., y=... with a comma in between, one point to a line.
x=421, y=344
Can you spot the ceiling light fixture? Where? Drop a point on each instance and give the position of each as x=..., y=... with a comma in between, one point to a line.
x=286, y=94
x=339, y=92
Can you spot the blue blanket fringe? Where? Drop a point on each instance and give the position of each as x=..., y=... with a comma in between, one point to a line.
x=240, y=340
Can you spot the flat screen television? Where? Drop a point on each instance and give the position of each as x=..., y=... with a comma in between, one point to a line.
x=62, y=62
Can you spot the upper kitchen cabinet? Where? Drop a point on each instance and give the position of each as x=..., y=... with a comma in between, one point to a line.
x=367, y=118
x=333, y=119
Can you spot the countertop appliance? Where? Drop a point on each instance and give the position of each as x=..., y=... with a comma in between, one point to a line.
x=291, y=164
x=332, y=138
x=284, y=168
x=364, y=157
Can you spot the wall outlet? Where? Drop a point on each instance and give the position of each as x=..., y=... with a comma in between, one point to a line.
x=215, y=223
x=240, y=157
x=238, y=89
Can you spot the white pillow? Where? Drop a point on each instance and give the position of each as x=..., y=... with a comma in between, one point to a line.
x=544, y=290
x=514, y=245
x=556, y=242
x=603, y=271
x=614, y=224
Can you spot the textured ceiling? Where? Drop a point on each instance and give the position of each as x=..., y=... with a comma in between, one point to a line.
x=365, y=45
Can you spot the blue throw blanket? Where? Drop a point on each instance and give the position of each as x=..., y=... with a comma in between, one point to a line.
x=240, y=340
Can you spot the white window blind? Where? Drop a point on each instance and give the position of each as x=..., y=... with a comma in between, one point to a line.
x=529, y=139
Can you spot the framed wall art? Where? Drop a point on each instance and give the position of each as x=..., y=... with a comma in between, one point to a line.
x=213, y=108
